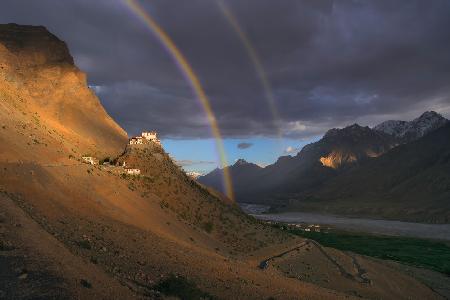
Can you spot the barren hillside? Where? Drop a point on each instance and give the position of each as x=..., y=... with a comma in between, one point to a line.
x=46, y=105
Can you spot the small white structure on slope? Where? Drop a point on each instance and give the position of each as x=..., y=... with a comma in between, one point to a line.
x=134, y=172
x=90, y=160
x=193, y=175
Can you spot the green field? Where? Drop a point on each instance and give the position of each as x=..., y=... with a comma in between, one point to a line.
x=428, y=254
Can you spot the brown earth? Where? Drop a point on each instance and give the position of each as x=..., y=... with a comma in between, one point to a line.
x=74, y=231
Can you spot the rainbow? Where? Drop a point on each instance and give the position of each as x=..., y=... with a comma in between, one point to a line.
x=194, y=82
x=256, y=61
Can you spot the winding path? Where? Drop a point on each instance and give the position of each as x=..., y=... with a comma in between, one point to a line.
x=360, y=277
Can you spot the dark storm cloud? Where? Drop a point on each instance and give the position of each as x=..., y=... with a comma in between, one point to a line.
x=330, y=63
x=244, y=145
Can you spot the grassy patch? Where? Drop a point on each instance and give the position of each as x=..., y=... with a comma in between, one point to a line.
x=181, y=287
x=428, y=254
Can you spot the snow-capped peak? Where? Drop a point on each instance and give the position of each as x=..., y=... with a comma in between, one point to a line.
x=415, y=129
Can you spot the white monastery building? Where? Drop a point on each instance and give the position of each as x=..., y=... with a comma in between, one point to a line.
x=150, y=136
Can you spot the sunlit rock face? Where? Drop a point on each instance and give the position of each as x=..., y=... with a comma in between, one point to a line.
x=38, y=76
x=352, y=144
x=335, y=159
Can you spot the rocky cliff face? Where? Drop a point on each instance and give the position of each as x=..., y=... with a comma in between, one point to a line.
x=352, y=144
x=38, y=78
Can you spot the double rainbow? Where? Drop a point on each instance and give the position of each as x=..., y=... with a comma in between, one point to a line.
x=194, y=82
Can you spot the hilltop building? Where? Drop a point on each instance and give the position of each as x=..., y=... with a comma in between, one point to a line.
x=150, y=135
x=137, y=140
x=146, y=136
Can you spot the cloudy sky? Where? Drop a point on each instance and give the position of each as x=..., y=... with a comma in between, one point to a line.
x=328, y=63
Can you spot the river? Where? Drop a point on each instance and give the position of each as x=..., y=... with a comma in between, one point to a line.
x=387, y=227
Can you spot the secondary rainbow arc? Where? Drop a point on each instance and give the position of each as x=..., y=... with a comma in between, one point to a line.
x=256, y=61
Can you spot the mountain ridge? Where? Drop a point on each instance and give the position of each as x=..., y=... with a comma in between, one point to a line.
x=288, y=181
x=411, y=180
x=337, y=150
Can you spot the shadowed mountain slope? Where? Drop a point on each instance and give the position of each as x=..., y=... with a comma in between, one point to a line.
x=337, y=151
x=410, y=182
x=395, y=170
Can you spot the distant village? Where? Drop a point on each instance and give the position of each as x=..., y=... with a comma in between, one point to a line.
x=299, y=226
x=147, y=137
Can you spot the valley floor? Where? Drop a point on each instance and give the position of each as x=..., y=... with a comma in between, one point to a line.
x=428, y=260
x=387, y=227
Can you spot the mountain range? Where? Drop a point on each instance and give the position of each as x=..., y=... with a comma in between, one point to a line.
x=293, y=182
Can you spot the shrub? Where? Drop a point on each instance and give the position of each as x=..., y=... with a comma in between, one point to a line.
x=6, y=246
x=84, y=244
x=106, y=159
x=164, y=204
x=178, y=286
x=208, y=226
x=85, y=283
x=131, y=186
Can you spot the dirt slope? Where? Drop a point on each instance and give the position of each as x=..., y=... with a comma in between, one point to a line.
x=33, y=262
